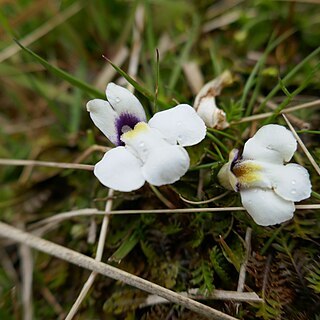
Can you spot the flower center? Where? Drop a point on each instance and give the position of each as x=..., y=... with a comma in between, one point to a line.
x=247, y=172
x=142, y=140
x=124, y=123
x=140, y=127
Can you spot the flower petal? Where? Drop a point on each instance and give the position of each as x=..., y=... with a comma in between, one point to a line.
x=180, y=124
x=120, y=170
x=166, y=165
x=272, y=143
x=104, y=117
x=124, y=102
x=266, y=207
x=291, y=181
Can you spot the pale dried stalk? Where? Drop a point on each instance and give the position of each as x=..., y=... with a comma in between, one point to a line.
x=92, y=212
x=62, y=165
x=31, y=126
x=162, y=198
x=222, y=21
x=242, y=273
x=137, y=44
x=303, y=147
x=101, y=242
x=47, y=294
x=43, y=30
x=255, y=117
x=205, y=201
x=194, y=76
x=166, y=44
x=243, y=268
x=301, y=124
x=221, y=7
x=89, y=151
x=215, y=295
x=107, y=270
x=26, y=279
x=132, y=70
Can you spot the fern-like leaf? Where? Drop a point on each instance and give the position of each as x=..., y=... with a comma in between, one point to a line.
x=219, y=264
x=203, y=277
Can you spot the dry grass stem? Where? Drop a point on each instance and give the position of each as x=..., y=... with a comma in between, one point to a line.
x=132, y=70
x=92, y=212
x=200, y=184
x=41, y=31
x=62, y=165
x=243, y=268
x=26, y=279
x=221, y=21
x=161, y=197
x=301, y=124
x=89, y=151
x=205, y=201
x=47, y=294
x=242, y=273
x=221, y=7
x=31, y=126
x=137, y=44
x=83, y=261
x=255, y=117
x=194, y=76
x=302, y=145
x=83, y=293
x=227, y=295
x=101, y=243
x=215, y=295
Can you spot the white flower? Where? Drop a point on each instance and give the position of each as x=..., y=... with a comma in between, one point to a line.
x=152, y=151
x=267, y=186
x=205, y=102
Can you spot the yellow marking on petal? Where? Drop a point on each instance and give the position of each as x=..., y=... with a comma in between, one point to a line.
x=247, y=172
x=140, y=127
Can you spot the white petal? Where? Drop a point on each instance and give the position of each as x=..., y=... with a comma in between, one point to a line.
x=119, y=170
x=265, y=207
x=124, y=102
x=104, y=117
x=272, y=143
x=180, y=124
x=290, y=181
x=166, y=165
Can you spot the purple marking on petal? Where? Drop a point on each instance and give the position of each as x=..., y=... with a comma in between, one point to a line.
x=125, y=119
x=235, y=159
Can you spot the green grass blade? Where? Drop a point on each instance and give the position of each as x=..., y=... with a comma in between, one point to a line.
x=63, y=74
x=136, y=85
x=288, y=77
x=251, y=80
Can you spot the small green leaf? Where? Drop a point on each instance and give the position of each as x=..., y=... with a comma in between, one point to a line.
x=230, y=254
x=126, y=247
